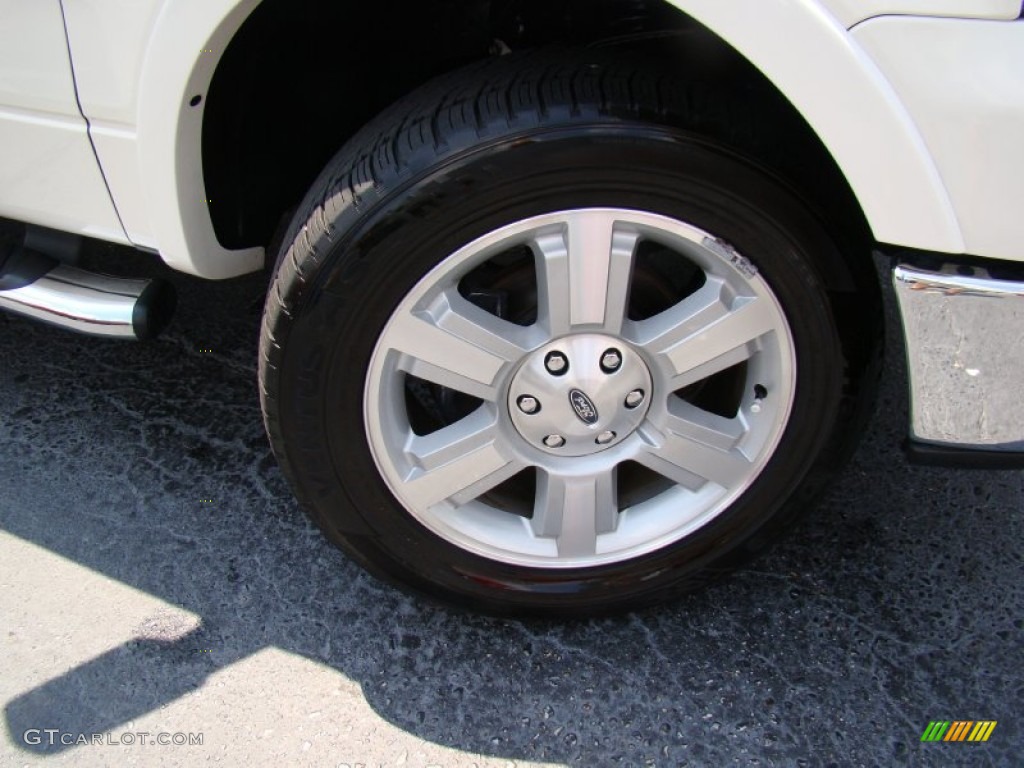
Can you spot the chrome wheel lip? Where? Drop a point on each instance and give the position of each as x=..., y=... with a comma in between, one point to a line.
x=498, y=449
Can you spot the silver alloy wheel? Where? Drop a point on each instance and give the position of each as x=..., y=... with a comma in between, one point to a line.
x=581, y=392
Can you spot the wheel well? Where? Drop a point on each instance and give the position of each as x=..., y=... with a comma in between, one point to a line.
x=302, y=76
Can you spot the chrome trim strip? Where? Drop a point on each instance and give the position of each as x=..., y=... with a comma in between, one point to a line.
x=965, y=352
x=948, y=284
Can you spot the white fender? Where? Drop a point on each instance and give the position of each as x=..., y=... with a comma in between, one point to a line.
x=809, y=56
x=184, y=48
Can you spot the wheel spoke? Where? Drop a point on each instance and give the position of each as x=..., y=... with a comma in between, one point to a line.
x=706, y=333
x=457, y=345
x=574, y=510
x=459, y=462
x=703, y=426
x=695, y=448
x=583, y=270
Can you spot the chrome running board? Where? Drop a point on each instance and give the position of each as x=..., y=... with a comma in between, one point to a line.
x=35, y=285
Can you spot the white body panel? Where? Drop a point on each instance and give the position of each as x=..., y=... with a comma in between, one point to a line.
x=48, y=173
x=838, y=89
x=108, y=40
x=963, y=84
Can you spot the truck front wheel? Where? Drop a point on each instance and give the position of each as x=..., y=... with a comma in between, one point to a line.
x=535, y=344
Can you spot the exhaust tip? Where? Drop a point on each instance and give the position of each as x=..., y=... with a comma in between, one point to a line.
x=154, y=309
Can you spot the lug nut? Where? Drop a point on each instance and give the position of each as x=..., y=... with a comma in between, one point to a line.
x=611, y=360
x=554, y=441
x=634, y=398
x=528, y=405
x=605, y=437
x=556, y=363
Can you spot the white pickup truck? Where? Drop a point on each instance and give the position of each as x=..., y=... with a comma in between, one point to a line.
x=572, y=304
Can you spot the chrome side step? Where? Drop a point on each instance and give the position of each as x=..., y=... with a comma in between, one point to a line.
x=35, y=285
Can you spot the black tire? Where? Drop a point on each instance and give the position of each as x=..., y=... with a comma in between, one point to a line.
x=503, y=141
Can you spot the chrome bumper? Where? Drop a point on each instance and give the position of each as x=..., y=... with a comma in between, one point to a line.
x=965, y=349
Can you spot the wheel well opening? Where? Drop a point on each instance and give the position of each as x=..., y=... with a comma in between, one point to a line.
x=302, y=76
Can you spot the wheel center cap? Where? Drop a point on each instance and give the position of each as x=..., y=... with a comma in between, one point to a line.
x=579, y=395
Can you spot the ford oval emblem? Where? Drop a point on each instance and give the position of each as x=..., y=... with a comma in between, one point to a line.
x=584, y=407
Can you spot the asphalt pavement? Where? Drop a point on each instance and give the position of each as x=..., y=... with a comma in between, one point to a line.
x=157, y=578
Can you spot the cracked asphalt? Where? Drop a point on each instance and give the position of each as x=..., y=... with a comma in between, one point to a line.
x=156, y=576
